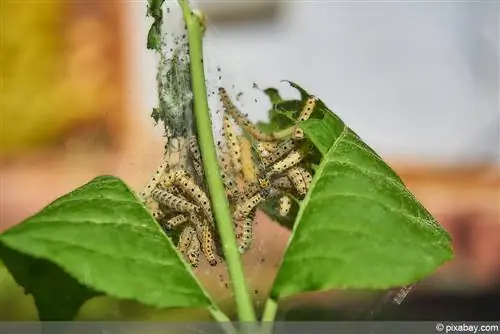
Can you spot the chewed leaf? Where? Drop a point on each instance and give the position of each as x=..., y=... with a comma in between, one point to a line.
x=97, y=239
x=273, y=94
x=358, y=227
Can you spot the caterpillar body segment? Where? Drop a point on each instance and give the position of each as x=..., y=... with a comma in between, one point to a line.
x=241, y=119
x=282, y=182
x=232, y=144
x=295, y=175
x=244, y=208
x=193, y=252
x=174, y=202
x=155, y=179
x=304, y=115
x=285, y=204
x=308, y=108
x=262, y=151
x=283, y=149
x=269, y=146
x=250, y=190
x=195, y=153
x=247, y=163
x=298, y=133
x=246, y=234
x=175, y=221
x=291, y=160
x=184, y=182
x=307, y=176
x=208, y=244
x=185, y=238
x=154, y=208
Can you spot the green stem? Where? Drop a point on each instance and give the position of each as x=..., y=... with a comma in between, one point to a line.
x=222, y=318
x=270, y=310
x=219, y=200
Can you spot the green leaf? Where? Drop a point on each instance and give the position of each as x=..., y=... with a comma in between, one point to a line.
x=358, y=227
x=97, y=239
x=154, y=39
x=273, y=94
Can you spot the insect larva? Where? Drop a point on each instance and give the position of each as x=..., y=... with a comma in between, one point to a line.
x=175, y=221
x=285, y=204
x=182, y=180
x=183, y=158
x=262, y=151
x=176, y=203
x=250, y=190
x=241, y=119
x=232, y=144
x=195, y=152
x=246, y=235
x=269, y=146
x=193, y=252
x=154, y=180
x=298, y=133
x=306, y=176
x=226, y=172
x=154, y=208
x=229, y=185
x=282, y=182
x=304, y=115
x=185, y=238
x=283, y=149
x=186, y=184
x=198, y=168
x=308, y=108
x=295, y=175
x=292, y=159
x=248, y=167
x=243, y=209
x=208, y=247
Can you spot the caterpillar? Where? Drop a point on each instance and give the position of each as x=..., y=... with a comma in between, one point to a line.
x=241, y=119
x=243, y=209
x=290, y=161
x=248, y=167
x=182, y=180
x=285, y=204
x=232, y=144
x=193, y=252
x=282, y=182
x=304, y=115
x=154, y=208
x=307, y=176
x=185, y=238
x=246, y=234
x=175, y=221
x=282, y=150
x=296, y=176
x=208, y=247
x=154, y=179
x=176, y=203
x=195, y=152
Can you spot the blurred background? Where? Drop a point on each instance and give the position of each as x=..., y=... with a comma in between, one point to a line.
x=417, y=81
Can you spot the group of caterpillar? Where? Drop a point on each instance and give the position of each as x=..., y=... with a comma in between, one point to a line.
x=248, y=184
x=279, y=161
x=172, y=192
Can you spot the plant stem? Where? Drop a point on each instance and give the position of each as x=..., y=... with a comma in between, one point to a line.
x=270, y=310
x=219, y=200
x=222, y=318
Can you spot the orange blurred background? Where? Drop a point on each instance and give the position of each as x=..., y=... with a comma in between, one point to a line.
x=69, y=113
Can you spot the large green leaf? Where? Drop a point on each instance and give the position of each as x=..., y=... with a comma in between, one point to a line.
x=358, y=227
x=97, y=239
